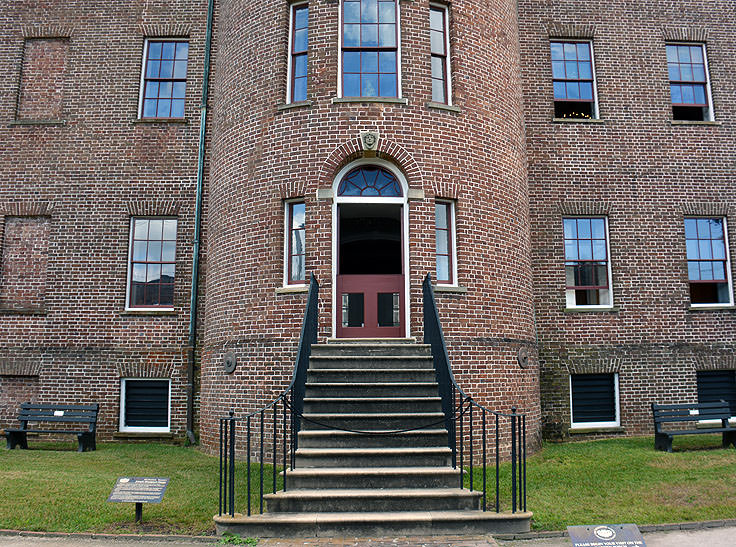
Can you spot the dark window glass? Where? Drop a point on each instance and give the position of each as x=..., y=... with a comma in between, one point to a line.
x=299, y=43
x=688, y=82
x=164, y=79
x=586, y=262
x=443, y=223
x=369, y=48
x=593, y=398
x=369, y=181
x=438, y=48
x=707, y=260
x=717, y=385
x=296, y=253
x=146, y=403
x=572, y=80
x=152, y=263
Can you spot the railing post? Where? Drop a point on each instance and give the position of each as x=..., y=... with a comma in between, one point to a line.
x=513, y=459
x=523, y=423
x=470, y=427
x=247, y=459
x=222, y=455
x=462, y=439
x=274, y=444
x=232, y=463
x=498, y=476
x=283, y=434
x=261, y=460
x=484, y=460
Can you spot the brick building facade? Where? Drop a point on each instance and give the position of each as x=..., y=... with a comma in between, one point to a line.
x=554, y=167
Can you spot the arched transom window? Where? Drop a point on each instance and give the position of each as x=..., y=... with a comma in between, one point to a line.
x=369, y=181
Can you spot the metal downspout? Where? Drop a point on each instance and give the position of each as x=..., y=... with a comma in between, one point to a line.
x=198, y=229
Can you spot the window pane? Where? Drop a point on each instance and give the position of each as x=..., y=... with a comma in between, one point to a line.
x=167, y=272
x=351, y=35
x=180, y=69
x=177, y=108
x=699, y=94
x=571, y=69
x=300, y=40
x=699, y=73
x=693, y=271
x=388, y=85
x=369, y=85
x=719, y=272
x=369, y=11
x=139, y=272
x=570, y=228
x=599, y=250
x=571, y=250
x=351, y=84
x=558, y=69
x=351, y=11
x=387, y=12
x=696, y=54
x=436, y=19
x=672, y=54
x=300, y=66
x=164, y=90
x=156, y=228
x=683, y=54
x=676, y=94
x=387, y=35
x=301, y=17
x=441, y=241
x=585, y=71
x=704, y=228
x=153, y=273
x=585, y=249
x=351, y=61
x=573, y=91
x=686, y=73
x=440, y=215
x=154, y=251
x=154, y=50
x=443, y=268
x=151, y=89
x=369, y=35
x=560, y=90
x=674, y=71
x=297, y=268
x=167, y=69
x=387, y=61
x=704, y=248
x=164, y=109
x=298, y=212
x=570, y=50
x=437, y=42
x=141, y=228
x=369, y=61
x=584, y=51
x=167, y=295
x=167, y=50
x=300, y=89
x=179, y=89
x=692, y=249
x=297, y=242
x=168, y=252
x=556, y=51
x=598, y=228
x=438, y=66
x=139, y=250
x=706, y=271
x=583, y=228
x=438, y=91
x=691, y=230
x=182, y=50
x=152, y=69
x=716, y=228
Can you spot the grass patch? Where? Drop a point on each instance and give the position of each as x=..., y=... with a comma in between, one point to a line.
x=53, y=488
x=626, y=480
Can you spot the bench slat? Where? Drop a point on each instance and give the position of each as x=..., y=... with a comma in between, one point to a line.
x=57, y=419
x=691, y=418
x=71, y=413
x=700, y=431
x=693, y=406
x=76, y=432
x=95, y=407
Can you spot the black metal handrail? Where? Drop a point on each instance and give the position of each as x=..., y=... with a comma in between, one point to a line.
x=291, y=401
x=449, y=391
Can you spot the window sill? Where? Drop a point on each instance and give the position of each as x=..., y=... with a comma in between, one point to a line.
x=292, y=289
x=694, y=122
x=142, y=435
x=23, y=311
x=298, y=104
x=591, y=430
x=714, y=307
x=583, y=309
x=443, y=106
x=159, y=120
x=578, y=120
x=162, y=312
x=450, y=288
x=390, y=100
x=37, y=122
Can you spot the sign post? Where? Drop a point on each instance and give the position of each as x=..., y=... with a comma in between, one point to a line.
x=139, y=490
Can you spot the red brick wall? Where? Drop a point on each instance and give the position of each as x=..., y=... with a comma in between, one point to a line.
x=23, y=261
x=646, y=174
x=42, y=78
x=15, y=390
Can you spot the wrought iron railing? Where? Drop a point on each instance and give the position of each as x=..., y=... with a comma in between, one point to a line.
x=455, y=415
x=286, y=408
x=460, y=411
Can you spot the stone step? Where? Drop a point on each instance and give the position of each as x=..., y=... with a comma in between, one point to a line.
x=362, y=348
x=374, y=457
x=337, y=500
x=374, y=524
x=327, y=438
x=336, y=405
x=372, y=389
x=372, y=341
x=370, y=375
x=370, y=361
x=369, y=421
x=377, y=477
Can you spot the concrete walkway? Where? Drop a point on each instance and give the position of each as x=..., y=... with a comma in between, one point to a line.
x=707, y=537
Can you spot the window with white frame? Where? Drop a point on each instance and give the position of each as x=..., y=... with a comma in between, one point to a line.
x=164, y=78
x=298, y=43
x=717, y=385
x=587, y=263
x=440, y=53
x=708, y=265
x=369, y=48
x=687, y=67
x=294, y=248
x=145, y=405
x=573, y=79
x=594, y=400
x=151, y=263
x=444, y=229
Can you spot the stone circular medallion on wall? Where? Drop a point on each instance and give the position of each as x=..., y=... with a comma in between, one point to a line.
x=229, y=362
x=523, y=357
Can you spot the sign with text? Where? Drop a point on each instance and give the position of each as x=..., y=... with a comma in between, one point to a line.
x=139, y=490
x=606, y=535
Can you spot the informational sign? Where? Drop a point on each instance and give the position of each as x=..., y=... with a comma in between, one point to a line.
x=139, y=490
x=606, y=535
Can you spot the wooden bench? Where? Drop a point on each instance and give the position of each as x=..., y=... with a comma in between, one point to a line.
x=64, y=414
x=692, y=412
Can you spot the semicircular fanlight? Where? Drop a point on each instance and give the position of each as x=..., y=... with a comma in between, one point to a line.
x=370, y=181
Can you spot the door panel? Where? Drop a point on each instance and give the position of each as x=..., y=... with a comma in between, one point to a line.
x=370, y=306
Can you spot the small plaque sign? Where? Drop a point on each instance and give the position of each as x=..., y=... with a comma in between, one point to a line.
x=606, y=535
x=139, y=490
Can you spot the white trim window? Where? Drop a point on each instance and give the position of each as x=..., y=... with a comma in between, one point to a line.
x=145, y=405
x=370, y=58
x=444, y=230
x=687, y=69
x=573, y=79
x=163, y=78
x=295, y=272
x=151, y=263
x=708, y=264
x=587, y=263
x=594, y=401
x=298, y=44
x=440, y=53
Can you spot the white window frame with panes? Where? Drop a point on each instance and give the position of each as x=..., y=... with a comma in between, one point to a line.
x=729, y=278
x=141, y=429
x=570, y=297
x=597, y=425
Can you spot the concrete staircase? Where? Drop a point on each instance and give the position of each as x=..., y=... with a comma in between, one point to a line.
x=351, y=484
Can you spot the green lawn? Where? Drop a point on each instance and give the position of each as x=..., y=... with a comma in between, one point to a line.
x=52, y=487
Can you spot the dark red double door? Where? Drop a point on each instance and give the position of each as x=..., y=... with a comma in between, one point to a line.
x=370, y=279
